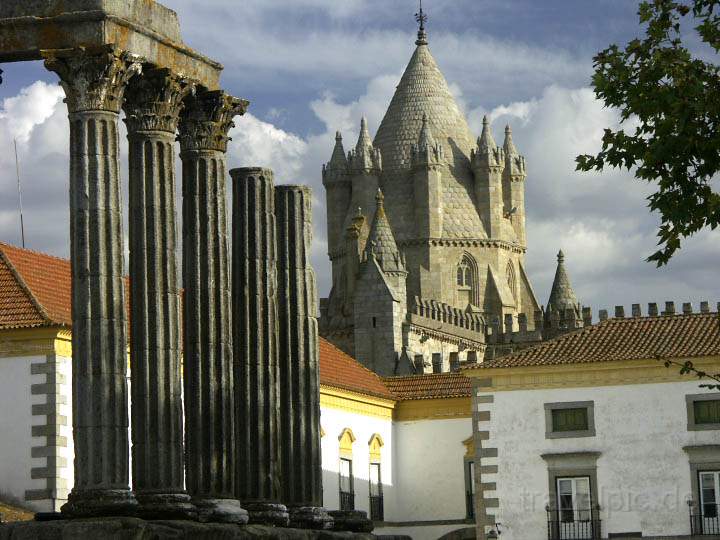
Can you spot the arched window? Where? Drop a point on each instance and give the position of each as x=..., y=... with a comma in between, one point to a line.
x=511, y=279
x=347, y=481
x=377, y=510
x=466, y=281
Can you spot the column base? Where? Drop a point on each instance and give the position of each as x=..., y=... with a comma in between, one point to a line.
x=88, y=503
x=309, y=517
x=165, y=506
x=351, y=520
x=267, y=513
x=220, y=511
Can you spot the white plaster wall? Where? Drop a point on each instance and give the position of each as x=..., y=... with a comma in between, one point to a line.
x=643, y=472
x=15, y=421
x=334, y=421
x=429, y=464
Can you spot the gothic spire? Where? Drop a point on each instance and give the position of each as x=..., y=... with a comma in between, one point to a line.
x=365, y=157
x=426, y=139
x=508, y=145
x=338, y=160
x=421, y=18
x=381, y=241
x=486, y=142
x=562, y=295
x=364, y=140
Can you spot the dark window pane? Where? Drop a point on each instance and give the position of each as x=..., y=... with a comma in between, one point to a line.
x=707, y=412
x=570, y=419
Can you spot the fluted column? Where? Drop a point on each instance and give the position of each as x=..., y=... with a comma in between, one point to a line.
x=94, y=84
x=208, y=374
x=255, y=345
x=152, y=108
x=298, y=355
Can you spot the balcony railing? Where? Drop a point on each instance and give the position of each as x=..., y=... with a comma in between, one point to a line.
x=573, y=524
x=704, y=519
x=347, y=500
x=377, y=508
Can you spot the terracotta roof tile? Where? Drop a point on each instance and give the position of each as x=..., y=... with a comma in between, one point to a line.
x=636, y=338
x=339, y=370
x=430, y=386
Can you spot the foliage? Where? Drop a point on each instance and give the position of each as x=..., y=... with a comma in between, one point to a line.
x=668, y=99
x=688, y=367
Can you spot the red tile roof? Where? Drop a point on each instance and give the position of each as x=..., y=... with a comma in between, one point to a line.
x=34, y=289
x=637, y=338
x=342, y=371
x=430, y=386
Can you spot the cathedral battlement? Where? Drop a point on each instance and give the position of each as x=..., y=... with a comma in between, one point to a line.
x=654, y=311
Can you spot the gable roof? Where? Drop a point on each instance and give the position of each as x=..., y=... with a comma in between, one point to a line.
x=637, y=338
x=430, y=386
x=342, y=371
x=34, y=289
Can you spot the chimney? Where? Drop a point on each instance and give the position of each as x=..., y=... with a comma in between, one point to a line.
x=669, y=308
x=687, y=308
x=587, y=316
x=619, y=312
x=652, y=309
x=636, y=311
x=704, y=307
x=603, y=315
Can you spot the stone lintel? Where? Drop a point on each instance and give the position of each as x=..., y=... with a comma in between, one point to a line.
x=144, y=28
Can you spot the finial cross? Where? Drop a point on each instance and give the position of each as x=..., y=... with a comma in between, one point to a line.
x=421, y=18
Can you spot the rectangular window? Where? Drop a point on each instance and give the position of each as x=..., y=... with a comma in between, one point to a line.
x=469, y=489
x=703, y=411
x=707, y=412
x=437, y=362
x=347, y=494
x=574, y=502
x=570, y=419
x=376, y=493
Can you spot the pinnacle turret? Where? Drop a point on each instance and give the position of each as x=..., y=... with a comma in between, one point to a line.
x=381, y=241
x=514, y=162
x=426, y=151
x=562, y=295
x=338, y=161
x=487, y=151
x=365, y=157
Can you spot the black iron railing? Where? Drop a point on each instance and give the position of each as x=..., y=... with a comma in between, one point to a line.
x=469, y=505
x=347, y=500
x=573, y=524
x=377, y=508
x=704, y=519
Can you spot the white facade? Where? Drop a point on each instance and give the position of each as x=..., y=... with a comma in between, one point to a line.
x=642, y=450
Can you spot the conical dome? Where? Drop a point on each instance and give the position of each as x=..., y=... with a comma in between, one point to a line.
x=423, y=90
x=562, y=295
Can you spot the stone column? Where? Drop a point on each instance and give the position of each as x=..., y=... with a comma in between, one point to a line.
x=298, y=361
x=255, y=345
x=94, y=84
x=207, y=374
x=152, y=108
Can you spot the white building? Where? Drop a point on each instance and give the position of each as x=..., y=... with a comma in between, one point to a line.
x=401, y=445
x=591, y=436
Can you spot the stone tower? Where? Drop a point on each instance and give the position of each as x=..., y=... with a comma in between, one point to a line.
x=420, y=266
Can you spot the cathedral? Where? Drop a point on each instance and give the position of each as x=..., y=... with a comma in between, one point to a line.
x=426, y=236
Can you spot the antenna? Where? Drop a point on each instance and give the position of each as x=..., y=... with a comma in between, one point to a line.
x=17, y=172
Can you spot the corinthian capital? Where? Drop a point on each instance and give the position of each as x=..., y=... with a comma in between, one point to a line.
x=93, y=80
x=153, y=101
x=206, y=120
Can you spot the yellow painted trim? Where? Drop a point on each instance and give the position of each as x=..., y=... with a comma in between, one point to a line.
x=31, y=341
x=469, y=446
x=617, y=373
x=375, y=448
x=346, y=438
x=333, y=398
x=433, y=409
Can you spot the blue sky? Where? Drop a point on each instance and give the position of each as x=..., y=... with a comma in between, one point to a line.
x=310, y=67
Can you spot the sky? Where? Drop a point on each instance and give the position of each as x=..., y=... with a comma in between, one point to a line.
x=311, y=67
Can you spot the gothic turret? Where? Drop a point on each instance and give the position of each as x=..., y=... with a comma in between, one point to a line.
x=562, y=295
x=365, y=168
x=336, y=179
x=365, y=158
x=488, y=162
x=381, y=241
x=427, y=158
x=514, y=186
